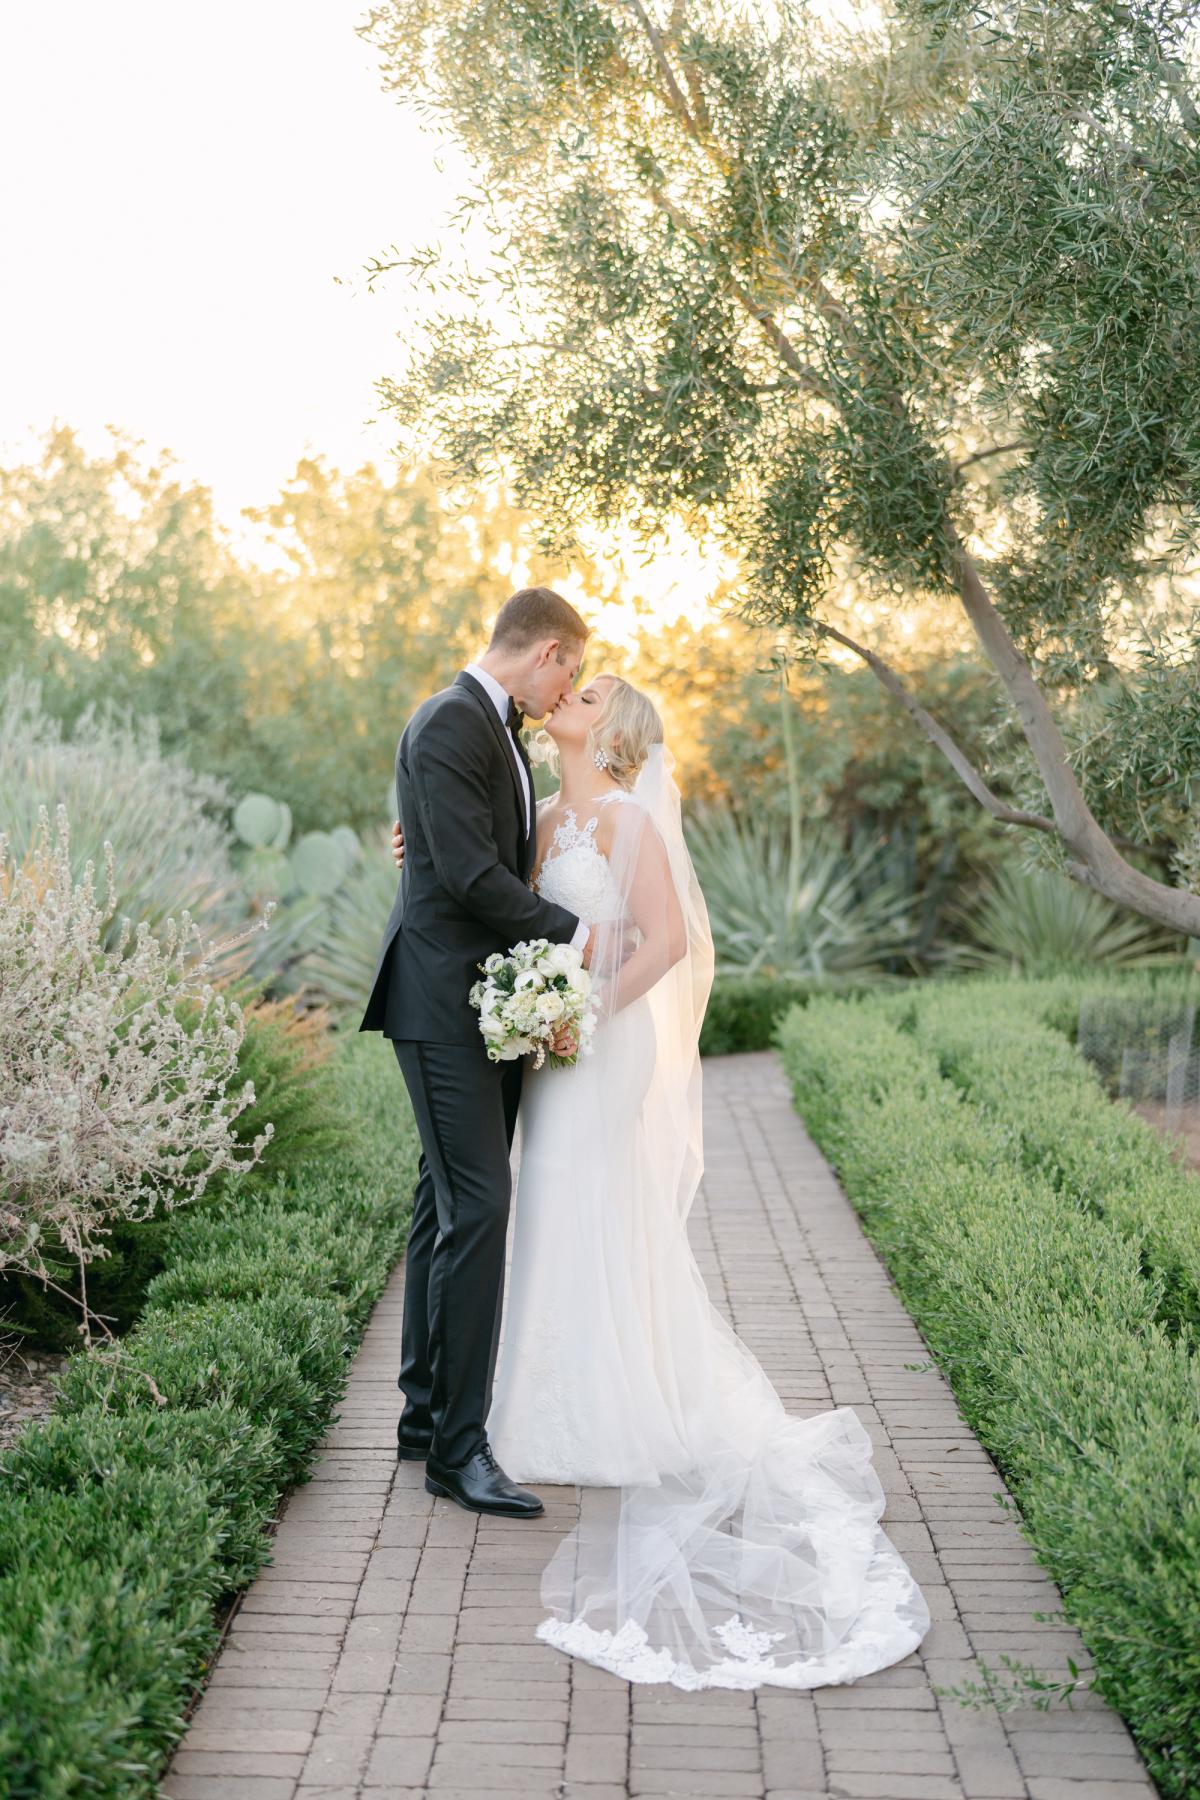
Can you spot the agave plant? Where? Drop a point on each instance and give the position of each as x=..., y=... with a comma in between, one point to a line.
x=339, y=966
x=794, y=904
x=1035, y=921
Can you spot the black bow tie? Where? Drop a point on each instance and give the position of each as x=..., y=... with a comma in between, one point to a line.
x=516, y=718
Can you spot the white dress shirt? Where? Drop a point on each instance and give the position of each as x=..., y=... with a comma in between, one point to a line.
x=499, y=700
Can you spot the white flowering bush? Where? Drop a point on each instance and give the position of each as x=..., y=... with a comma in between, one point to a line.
x=116, y=1062
x=527, y=998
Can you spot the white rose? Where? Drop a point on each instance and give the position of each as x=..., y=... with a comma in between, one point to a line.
x=563, y=959
x=550, y=1007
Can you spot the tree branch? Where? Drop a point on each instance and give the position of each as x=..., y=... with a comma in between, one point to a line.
x=695, y=91
x=996, y=450
x=941, y=740
x=675, y=99
x=1096, y=861
x=1173, y=74
x=810, y=379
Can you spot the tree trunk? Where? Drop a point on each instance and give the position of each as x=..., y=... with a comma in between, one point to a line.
x=1093, y=858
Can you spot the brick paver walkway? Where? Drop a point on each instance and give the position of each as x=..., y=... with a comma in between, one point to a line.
x=390, y=1645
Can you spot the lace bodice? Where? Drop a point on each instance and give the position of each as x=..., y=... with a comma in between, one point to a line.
x=576, y=873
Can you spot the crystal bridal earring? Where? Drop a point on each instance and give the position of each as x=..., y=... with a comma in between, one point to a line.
x=600, y=758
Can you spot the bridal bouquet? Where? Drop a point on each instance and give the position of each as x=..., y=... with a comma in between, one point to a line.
x=531, y=995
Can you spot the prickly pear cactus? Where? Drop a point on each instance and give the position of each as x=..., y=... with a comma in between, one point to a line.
x=280, y=840
x=350, y=841
x=319, y=863
x=257, y=820
x=268, y=874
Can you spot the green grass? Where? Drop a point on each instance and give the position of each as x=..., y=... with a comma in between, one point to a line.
x=124, y=1522
x=1045, y=1243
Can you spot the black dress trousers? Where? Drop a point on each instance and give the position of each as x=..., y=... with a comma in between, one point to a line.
x=466, y=1111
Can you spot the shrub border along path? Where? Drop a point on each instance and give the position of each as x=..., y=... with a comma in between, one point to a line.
x=389, y=1649
x=126, y=1520
x=1046, y=1243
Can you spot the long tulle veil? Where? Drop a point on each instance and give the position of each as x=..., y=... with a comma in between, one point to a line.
x=757, y=1558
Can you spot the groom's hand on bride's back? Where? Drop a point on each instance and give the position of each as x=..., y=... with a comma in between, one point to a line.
x=397, y=845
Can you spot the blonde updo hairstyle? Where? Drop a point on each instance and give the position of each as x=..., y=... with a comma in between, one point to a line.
x=627, y=730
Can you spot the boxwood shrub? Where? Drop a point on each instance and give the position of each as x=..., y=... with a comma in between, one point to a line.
x=1056, y=1316
x=139, y=1507
x=744, y=1011
x=1033, y=1084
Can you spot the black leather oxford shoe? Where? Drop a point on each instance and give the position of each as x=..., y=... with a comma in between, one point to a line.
x=481, y=1485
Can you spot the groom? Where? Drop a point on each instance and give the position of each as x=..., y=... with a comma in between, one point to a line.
x=465, y=801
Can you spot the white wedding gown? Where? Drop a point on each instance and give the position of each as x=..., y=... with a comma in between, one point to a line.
x=737, y=1545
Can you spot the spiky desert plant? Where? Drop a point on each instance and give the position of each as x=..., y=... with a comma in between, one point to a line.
x=116, y=1061
x=1035, y=921
x=339, y=967
x=794, y=903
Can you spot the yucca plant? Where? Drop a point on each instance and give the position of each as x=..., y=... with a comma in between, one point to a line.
x=791, y=902
x=1036, y=922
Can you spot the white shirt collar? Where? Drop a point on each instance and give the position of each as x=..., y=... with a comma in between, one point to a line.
x=491, y=688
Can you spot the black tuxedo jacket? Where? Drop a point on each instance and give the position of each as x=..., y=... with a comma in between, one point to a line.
x=467, y=857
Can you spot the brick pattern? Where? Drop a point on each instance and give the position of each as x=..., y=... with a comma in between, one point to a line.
x=390, y=1648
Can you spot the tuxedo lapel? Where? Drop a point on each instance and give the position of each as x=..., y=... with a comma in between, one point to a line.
x=504, y=739
x=531, y=834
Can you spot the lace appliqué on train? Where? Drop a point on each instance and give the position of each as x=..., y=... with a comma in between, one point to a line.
x=887, y=1629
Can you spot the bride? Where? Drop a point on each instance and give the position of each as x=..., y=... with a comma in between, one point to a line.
x=733, y=1545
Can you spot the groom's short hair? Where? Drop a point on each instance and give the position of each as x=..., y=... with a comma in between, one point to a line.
x=533, y=614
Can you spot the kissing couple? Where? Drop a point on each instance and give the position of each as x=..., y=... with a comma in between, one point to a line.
x=731, y=1545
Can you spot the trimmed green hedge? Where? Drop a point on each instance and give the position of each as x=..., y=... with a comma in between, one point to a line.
x=997, y=1182
x=744, y=1011
x=124, y=1521
x=1030, y=1082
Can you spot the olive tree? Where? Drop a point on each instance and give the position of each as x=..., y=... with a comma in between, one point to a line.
x=916, y=301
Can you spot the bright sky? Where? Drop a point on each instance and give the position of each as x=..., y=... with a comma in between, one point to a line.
x=184, y=185
x=191, y=195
